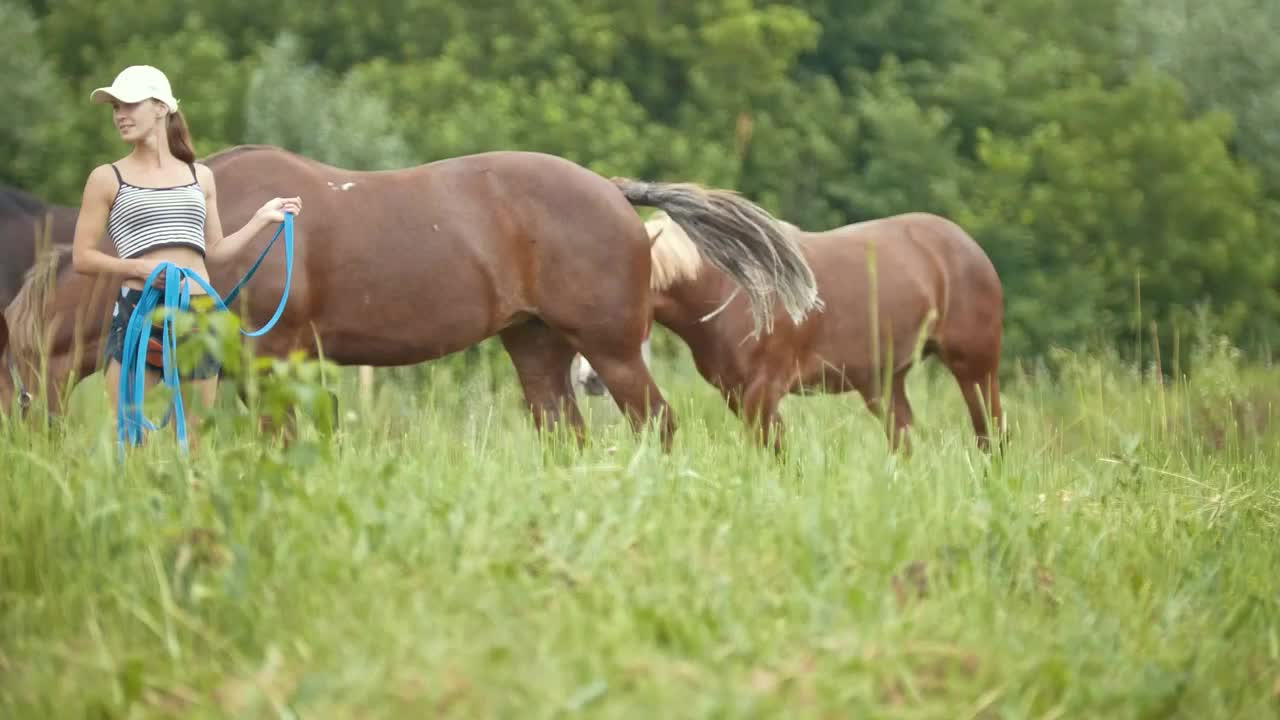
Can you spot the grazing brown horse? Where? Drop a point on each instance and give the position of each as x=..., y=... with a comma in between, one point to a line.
x=27, y=223
x=402, y=266
x=933, y=289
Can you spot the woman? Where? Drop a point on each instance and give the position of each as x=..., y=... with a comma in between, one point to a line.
x=158, y=205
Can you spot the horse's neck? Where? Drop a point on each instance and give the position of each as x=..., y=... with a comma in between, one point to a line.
x=684, y=307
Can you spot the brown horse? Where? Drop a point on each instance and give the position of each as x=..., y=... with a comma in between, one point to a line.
x=933, y=289
x=403, y=266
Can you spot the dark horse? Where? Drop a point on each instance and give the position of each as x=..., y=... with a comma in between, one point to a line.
x=25, y=222
x=933, y=290
x=402, y=266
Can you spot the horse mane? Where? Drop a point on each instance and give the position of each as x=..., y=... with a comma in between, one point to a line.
x=25, y=311
x=674, y=255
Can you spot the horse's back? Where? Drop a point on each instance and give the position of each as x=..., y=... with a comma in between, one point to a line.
x=272, y=159
x=900, y=243
x=445, y=184
x=921, y=261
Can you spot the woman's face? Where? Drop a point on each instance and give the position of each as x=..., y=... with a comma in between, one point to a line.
x=136, y=121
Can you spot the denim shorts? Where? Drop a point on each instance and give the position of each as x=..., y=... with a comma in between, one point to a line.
x=207, y=366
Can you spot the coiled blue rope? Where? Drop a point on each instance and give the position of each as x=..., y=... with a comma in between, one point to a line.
x=130, y=421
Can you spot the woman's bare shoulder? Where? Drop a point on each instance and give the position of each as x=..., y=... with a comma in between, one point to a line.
x=204, y=175
x=101, y=183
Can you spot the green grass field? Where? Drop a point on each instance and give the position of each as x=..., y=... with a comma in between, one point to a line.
x=1119, y=561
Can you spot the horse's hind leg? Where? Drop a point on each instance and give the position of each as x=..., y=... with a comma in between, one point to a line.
x=978, y=378
x=974, y=389
x=627, y=377
x=902, y=414
x=542, y=357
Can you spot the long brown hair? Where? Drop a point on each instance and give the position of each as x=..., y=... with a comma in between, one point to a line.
x=180, y=138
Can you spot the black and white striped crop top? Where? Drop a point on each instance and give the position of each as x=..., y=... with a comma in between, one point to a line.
x=144, y=218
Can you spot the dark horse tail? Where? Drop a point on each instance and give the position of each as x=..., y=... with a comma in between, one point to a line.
x=740, y=238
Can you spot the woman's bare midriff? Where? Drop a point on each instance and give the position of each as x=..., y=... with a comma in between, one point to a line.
x=184, y=257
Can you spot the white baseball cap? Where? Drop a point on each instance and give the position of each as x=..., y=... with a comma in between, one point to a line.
x=135, y=84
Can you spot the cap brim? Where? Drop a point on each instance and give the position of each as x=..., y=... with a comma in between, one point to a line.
x=107, y=94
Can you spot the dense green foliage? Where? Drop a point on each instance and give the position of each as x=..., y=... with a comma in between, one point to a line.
x=1101, y=152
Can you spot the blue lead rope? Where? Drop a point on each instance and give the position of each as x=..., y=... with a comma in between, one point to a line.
x=130, y=421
